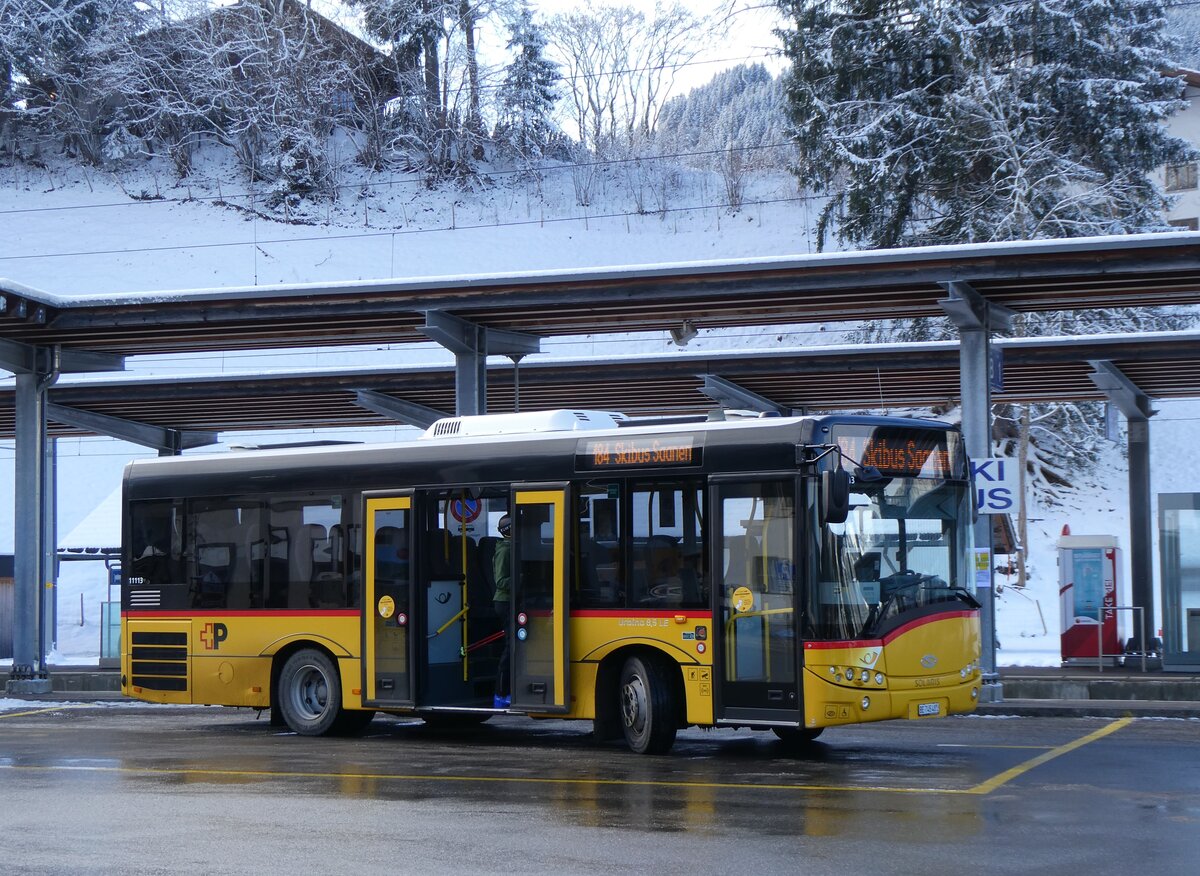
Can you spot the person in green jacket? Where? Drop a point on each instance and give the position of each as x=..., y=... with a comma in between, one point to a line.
x=502, y=600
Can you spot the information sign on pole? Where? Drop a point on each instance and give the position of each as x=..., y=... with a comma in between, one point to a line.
x=997, y=485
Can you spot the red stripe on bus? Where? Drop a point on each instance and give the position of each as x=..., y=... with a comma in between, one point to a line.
x=256, y=612
x=646, y=612
x=899, y=631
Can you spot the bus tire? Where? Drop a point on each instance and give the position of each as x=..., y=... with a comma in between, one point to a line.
x=647, y=706
x=798, y=736
x=310, y=693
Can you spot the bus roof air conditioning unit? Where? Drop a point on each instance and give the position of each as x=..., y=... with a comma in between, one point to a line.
x=524, y=423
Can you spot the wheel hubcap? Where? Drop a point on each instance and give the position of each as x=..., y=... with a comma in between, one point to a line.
x=633, y=704
x=311, y=693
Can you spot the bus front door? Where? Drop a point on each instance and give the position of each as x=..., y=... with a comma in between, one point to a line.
x=387, y=605
x=755, y=561
x=538, y=655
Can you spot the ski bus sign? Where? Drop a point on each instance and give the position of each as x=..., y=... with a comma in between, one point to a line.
x=996, y=485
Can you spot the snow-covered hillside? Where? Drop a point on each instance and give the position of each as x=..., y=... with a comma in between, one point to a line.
x=74, y=233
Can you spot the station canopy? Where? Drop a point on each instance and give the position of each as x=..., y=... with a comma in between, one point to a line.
x=1121, y=271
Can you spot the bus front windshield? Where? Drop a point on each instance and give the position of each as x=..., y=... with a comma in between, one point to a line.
x=904, y=552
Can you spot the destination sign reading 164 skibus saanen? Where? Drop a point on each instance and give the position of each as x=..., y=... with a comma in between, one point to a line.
x=594, y=454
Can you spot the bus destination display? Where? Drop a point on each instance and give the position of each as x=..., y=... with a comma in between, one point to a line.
x=903, y=453
x=648, y=451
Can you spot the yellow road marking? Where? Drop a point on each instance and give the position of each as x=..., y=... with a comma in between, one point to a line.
x=1021, y=768
x=981, y=789
x=37, y=711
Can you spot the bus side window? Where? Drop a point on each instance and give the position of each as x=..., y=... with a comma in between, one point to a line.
x=667, y=548
x=155, y=544
x=599, y=576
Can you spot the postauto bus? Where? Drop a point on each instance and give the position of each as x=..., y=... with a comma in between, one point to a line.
x=779, y=573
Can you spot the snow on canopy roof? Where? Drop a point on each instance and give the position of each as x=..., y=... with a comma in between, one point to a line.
x=904, y=255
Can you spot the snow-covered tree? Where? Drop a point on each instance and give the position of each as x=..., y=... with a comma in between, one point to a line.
x=621, y=67
x=528, y=93
x=50, y=53
x=933, y=121
x=438, y=116
x=734, y=125
x=269, y=78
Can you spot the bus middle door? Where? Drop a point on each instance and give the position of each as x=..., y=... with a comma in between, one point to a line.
x=539, y=655
x=387, y=604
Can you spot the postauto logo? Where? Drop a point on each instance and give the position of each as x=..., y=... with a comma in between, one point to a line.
x=213, y=635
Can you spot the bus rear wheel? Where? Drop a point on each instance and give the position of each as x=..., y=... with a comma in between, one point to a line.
x=647, y=704
x=310, y=693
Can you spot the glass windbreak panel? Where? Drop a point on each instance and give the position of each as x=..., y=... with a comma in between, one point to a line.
x=906, y=546
x=597, y=573
x=758, y=523
x=393, y=583
x=155, y=545
x=668, y=568
x=1179, y=541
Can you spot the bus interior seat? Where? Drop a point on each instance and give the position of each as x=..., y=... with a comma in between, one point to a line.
x=214, y=571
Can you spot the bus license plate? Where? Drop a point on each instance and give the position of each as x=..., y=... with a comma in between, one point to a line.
x=924, y=709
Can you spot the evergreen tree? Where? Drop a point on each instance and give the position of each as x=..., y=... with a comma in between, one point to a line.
x=528, y=94
x=935, y=121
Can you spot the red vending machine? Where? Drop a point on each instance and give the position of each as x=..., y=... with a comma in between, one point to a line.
x=1088, y=587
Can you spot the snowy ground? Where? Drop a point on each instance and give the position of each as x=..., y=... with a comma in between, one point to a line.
x=73, y=233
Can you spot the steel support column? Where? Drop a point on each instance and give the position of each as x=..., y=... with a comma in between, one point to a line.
x=28, y=673
x=471, y=344
x=975, y=318
x=48, y=576
x=1136, y=407
x=35, y=368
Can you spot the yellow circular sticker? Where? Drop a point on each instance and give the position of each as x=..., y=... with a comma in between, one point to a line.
x=387, y=607
x=743, y=599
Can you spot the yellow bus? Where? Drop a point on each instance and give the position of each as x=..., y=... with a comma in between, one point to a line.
x=779, y=573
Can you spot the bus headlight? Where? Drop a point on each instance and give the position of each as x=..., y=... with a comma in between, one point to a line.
x=879, y=678
x=866, y=703
x=974, y=693
x=866, y=676
x=850, y=673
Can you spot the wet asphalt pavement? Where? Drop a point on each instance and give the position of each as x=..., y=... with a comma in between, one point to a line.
x=119, y=788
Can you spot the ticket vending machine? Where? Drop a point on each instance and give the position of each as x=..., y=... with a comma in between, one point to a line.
x=1088, y=584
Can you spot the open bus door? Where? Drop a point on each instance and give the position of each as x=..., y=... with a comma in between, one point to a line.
x=387, y=604
x=756, y=571
x=538, y=655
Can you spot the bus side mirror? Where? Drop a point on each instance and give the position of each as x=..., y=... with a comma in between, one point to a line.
x=835, y=496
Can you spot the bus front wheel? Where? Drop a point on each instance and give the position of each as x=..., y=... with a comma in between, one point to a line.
x=647, y=707
x=310, y=693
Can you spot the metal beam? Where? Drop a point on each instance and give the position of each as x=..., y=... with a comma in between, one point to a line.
x=159, y=438
x=968, y=309
x=729, y=394
x=1136, y=406
x=471, y=344
x=1120, y=390
x=23, y=358
x=398, y=409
